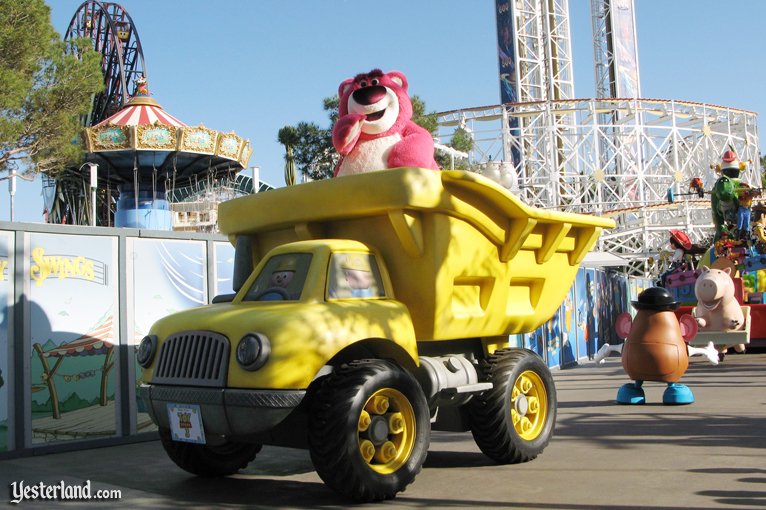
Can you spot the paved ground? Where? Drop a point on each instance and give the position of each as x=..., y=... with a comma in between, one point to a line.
x=711, y=454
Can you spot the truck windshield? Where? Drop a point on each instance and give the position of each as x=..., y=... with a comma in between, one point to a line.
x=281, y=279
x=354, y=275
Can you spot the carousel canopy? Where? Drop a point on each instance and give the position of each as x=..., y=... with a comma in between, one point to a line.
x=143, y=142
x=141, y=111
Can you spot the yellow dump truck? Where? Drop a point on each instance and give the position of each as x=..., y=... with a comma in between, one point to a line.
x=369, y=309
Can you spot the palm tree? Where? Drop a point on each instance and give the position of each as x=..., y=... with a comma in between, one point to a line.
x=288, y=136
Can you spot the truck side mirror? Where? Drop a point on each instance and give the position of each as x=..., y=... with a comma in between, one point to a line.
x=243, y=262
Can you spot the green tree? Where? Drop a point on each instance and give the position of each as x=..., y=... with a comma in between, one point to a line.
x=461, y=141
x=43, y=91
x=427, y=121
x=312, y=148
x=763, y=171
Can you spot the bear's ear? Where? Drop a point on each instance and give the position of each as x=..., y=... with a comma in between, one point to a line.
x=399, y=79
x=705, y=269
x=345, y=86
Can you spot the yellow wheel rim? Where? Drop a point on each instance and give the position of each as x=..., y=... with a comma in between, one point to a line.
x=386, y=430
x=529, y=405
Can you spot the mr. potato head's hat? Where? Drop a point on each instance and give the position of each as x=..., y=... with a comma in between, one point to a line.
x=656, y=299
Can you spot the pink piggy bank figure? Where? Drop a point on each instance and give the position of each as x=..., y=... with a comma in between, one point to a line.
x=717, y=308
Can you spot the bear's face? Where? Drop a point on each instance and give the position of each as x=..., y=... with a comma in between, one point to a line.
x=381, y=97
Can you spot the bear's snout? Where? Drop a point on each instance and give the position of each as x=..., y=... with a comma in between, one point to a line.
x=369, y=95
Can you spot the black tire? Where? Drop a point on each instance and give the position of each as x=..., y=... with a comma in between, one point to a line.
x=492, y=413
x=206, y=460
x=336, y=443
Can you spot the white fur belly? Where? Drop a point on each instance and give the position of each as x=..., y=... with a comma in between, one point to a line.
x=369, y=155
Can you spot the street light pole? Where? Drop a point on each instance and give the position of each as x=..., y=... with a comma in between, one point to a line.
x=93, y=186
x=12, y=189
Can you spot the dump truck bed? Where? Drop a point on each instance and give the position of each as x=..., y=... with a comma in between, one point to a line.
x=467, y=257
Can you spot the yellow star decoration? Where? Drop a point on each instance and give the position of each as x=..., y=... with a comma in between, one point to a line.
x=598, y=175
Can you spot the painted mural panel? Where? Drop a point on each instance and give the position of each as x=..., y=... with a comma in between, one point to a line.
x=73, y=329
x=535, y=341
x=552, y=336
x=516, y=341
x=6, y=301
x=581, y=315
x=168, y=276
x=224, y=268
x=617, y=303
x=604, y=291
x=637, y=286
x=569, y=329
x=593, y=299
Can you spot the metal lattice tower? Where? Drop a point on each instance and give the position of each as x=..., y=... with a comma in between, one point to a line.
x=559, y=50
x=543, y=73
x=603, y=56
x=543, y=50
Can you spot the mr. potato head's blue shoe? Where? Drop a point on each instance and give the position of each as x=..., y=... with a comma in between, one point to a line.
x=677, y=394
x=631, y=393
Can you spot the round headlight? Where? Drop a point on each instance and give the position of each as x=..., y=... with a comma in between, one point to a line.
x=253, y=351
x=146, y=350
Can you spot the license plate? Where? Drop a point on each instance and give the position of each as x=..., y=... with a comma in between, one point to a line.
x=186, y=423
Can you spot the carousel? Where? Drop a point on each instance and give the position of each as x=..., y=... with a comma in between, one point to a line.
x=146, y=154
x=139, y=157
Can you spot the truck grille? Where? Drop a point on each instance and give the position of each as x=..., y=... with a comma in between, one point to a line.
x=198, y=358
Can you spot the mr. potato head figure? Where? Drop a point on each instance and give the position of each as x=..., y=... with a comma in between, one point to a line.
x=655, y=348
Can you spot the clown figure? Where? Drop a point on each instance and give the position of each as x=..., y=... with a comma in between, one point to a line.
x=283, y=274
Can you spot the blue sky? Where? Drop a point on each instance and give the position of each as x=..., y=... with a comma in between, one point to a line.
x=255, y=66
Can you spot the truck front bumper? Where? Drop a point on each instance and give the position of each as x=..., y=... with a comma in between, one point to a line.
x=225, y=411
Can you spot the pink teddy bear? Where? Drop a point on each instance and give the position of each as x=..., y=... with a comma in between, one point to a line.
x=374, y=130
